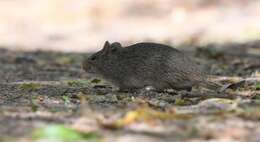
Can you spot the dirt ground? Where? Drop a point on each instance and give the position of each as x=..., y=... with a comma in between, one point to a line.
x=46, y=93
x=40, y=88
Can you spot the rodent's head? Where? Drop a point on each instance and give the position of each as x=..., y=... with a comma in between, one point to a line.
x=100, y=61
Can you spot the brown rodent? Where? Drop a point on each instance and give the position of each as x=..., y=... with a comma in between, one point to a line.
x=146, y=64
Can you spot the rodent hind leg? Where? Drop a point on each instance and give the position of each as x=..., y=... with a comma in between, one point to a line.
x=186, y=87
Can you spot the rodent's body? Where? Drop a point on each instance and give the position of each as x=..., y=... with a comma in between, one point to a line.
x=145, y=64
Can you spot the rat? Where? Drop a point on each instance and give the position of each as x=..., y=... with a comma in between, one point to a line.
x=146, y=64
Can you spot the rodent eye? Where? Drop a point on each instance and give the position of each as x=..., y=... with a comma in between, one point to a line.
x=92, y=58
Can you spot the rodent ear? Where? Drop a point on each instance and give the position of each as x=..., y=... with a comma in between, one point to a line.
x=106, y=47
x=115, y=46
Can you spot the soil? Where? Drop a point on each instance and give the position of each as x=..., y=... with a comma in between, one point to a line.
x=41, y=88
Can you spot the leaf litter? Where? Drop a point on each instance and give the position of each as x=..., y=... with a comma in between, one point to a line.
x=53, y=90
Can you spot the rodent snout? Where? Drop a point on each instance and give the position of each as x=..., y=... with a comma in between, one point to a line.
x=87, y=67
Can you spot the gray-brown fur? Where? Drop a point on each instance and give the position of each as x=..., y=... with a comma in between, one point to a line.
x=146, y=64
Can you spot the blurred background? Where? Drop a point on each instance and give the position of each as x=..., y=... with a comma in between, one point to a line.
x=84, y=25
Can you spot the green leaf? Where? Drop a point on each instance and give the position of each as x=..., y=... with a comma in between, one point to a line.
x=180, y=102
x=257, y=86
x=29, y=86
x=63, y=134
x=64, y=60
x=66, y=99
x=34, y=106
x=77, y=83
x=95, y=81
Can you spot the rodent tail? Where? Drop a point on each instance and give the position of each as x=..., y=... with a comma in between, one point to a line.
x=211, y=85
